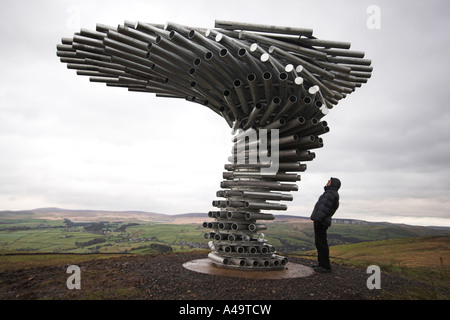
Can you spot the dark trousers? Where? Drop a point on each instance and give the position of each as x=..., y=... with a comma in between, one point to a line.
x=323, y=252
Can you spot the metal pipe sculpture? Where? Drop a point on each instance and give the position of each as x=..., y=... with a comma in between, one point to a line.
x=265, y=81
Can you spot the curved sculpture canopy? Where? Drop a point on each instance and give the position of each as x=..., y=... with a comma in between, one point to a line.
x=255, y=77
x=251, y=75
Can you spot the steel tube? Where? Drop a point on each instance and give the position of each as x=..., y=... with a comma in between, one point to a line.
x=88, y=41
x=276, y=186
x=218, y=259
x=265, y=205
x=95, y=56
x=152, y=30
x=275, y=125
x=205, y=88
x=239, y=226
x=259, y=216
x=349, y=60
x=287, y=46
x=241, y=95
x=298, y=60
x=238, y=262
x=230, y=103
x=226, y=41
x=115, y=53
x=235, y=215
x=267, y=195
x=209, y=235
x=324, y=43
x=286, y=107
x=240, y=249
x=204, y=41
x=149, y=69
x=267, y=79
x=343, y=53
x=251, y=119
x=297, y=122
x=105, y=64
x=127, y=40
x=184, y=63
x=251, y=61
x=125, y=48
x=220, y=236
x=211, y=246
x=174, y=49
x=183, y=42
x=218, y=80
x=136, y=34
x=184, y=30
x=257, y=227
x=231, y=25
x=224, y=226
x=235, y=65
x=272, y=63
x=274, y=104
x=253, y=86
x=282, y=78
x=292, y=166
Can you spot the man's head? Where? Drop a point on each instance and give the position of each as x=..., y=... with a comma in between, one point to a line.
x=334, y=183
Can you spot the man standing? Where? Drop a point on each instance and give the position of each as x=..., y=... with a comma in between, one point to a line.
x=324, y=209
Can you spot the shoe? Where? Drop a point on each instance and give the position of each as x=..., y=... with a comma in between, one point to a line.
x=322, y=270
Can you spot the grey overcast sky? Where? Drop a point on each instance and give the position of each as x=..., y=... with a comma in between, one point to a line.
x=69, y=143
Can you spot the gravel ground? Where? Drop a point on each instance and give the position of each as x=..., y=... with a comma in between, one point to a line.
x=163, y=277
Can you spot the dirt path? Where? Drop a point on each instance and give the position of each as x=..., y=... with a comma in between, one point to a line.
x=163, y=277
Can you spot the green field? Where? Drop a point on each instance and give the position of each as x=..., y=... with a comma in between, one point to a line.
x=28, y=234
x=37, y=235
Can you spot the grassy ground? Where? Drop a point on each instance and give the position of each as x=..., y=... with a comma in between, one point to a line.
x=431, y=252
x=422, y=259
x=25, y=261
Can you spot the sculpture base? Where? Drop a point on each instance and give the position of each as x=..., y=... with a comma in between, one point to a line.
x=290, y=270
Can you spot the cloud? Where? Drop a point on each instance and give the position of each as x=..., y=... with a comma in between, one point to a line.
x=71, y=143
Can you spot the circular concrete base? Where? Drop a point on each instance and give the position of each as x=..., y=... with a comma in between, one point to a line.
x=292, y=270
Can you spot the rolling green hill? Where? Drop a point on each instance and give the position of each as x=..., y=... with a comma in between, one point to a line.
x=56, y=230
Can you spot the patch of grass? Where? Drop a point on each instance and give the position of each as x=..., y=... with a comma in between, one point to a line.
x=424, y=260
x=128, y=293
x=26, y=261
x=432, y=252
x=96, y=295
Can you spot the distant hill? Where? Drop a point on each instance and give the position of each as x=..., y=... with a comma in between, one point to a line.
x=182, y=218
x=88, y=215
x=64, y=230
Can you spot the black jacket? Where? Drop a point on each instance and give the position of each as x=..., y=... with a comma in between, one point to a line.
x=327, y=204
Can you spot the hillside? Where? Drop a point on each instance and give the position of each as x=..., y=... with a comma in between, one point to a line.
x=429, y=252
x=90, y=231
x=84, y=215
